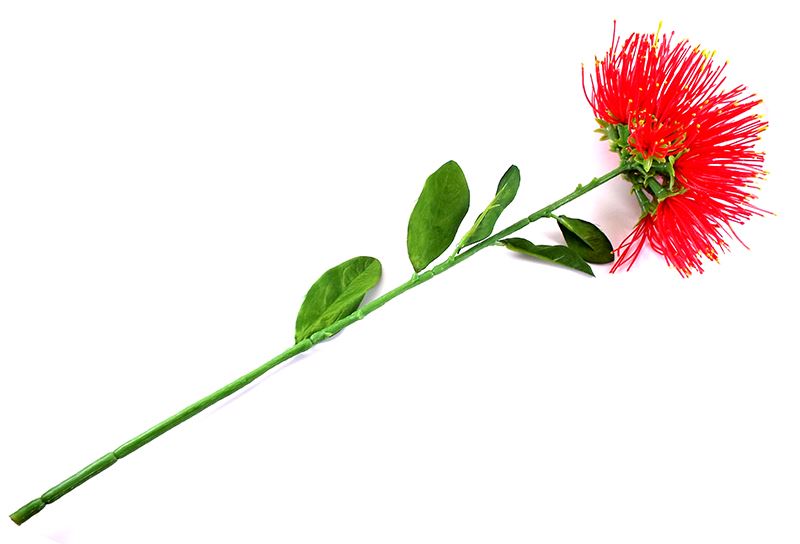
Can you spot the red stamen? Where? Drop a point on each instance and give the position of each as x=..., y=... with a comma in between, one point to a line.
x=671, y=99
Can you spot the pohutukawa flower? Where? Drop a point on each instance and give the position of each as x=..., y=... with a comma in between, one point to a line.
x=662, y=106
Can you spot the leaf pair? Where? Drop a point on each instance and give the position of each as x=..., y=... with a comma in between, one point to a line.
x=585, y=244
x=562, y=255
x=442, y=206
x=433, y=225
x=586, y=240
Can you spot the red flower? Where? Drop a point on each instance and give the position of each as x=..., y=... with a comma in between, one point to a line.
x=662, y=106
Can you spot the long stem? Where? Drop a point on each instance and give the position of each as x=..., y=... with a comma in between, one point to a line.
x=96, y=467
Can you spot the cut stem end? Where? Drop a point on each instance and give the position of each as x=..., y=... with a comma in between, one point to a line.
x=28, y=511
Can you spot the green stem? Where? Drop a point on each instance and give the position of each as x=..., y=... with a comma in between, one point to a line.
x=91, y=470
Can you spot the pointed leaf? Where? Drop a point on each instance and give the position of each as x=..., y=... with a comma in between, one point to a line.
x=441, y=207
x=336, y=294
x=555, y=254
x=484, y=224
x=586, y=239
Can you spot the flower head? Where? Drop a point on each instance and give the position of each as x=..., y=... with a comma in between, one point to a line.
x=662, y=106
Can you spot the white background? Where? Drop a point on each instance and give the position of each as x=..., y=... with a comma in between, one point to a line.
x=175, y=175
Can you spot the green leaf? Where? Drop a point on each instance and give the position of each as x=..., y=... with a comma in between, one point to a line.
x=336, y=294
x=484, y=224
x=586, y=239
x=555, y=254
x=441, y=207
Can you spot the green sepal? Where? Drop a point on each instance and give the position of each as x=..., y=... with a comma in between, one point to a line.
x=647, y=205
